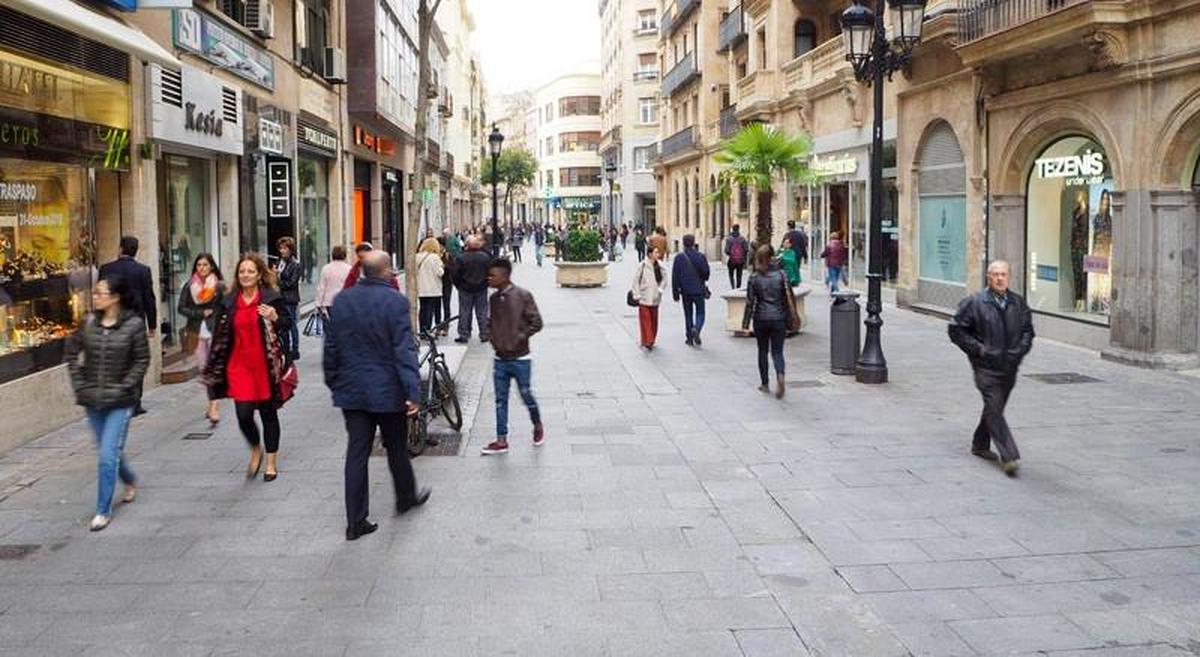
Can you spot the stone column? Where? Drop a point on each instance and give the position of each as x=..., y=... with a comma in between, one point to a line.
x=1006, y=237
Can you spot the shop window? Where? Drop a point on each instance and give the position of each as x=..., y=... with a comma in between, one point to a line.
x=47, y=262
x=942, y=223
x=804, y=37
x=312, y=176
x=1069, y=230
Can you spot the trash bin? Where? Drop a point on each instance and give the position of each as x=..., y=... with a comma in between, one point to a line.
x=844, y=332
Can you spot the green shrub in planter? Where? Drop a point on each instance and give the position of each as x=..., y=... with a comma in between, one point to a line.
x=582, y=246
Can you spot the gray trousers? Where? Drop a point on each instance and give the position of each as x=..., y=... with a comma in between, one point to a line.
x=992, y=427
x=468, y=303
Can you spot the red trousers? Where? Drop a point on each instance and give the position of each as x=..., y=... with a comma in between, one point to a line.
x=648, y=322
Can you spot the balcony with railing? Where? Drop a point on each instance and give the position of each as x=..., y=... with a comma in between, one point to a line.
x=683, y=72
x=664, y=23
x=433, y=152
x=733, y=30
x=978, y=19
x=822, y=66
x=645, y=75
x=729, y=122
x=449, y=165
x=446, y=103
x=678, y=143
x=756, y=92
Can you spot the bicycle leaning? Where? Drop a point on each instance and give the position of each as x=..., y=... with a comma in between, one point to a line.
x=439, y=395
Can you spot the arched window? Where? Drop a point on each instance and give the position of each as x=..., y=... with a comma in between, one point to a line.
x=804, y=37
x=713, y=212
x=696, y=201
x=687, y=204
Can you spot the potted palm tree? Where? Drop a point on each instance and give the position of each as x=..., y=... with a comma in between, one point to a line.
x=756, y=157
x=582, y=264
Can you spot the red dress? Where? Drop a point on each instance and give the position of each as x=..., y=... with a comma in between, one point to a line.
x=247, y=369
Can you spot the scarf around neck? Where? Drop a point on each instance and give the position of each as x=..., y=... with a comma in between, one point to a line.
x=204, y=290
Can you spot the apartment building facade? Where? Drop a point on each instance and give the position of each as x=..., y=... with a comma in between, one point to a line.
x=516, y=119
x=570, y=171
x=629, y=109
x=461, y=105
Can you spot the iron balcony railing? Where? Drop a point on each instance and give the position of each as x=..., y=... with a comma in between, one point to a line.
x=678, y=142
x=733, y=30
x=683, y=72
x=664, y=23
x=433, y=151
x=729, y=122
x=981, y=18
x=647, y=75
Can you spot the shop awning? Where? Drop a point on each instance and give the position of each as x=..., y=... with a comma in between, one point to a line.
x=70, y=15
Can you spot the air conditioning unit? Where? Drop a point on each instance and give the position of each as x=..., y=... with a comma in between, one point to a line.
x=335, y=65
x=260, y=17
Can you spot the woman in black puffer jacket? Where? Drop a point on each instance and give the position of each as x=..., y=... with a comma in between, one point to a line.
x=107, y=358
x=767, y=303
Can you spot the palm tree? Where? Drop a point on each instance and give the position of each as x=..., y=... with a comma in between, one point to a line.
x=755, y=157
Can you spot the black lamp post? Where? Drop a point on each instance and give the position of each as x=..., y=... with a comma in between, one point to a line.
x=874, y=56
x=610, y=168
x=495, y=141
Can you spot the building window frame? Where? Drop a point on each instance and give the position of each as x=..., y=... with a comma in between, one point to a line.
x=804, y=36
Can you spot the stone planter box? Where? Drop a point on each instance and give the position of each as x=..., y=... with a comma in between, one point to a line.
x=581, y=274
x=549, y=250
x=735, y=309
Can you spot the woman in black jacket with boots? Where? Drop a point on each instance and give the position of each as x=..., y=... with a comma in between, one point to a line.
x=767, y=303
x=107, y=358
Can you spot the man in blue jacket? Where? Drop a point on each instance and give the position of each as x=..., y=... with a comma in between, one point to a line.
x=371, y=367
x=689, y=282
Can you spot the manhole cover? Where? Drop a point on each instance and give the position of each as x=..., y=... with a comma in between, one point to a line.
x=16, y=552
x=199, y=435
x=810, y=383
x=1062, y=378
x=586, y=395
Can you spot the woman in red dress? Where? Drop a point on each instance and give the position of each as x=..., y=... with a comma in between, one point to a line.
x=246, y=362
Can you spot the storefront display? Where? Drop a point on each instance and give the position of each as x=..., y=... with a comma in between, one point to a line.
x=313, y=179
x=1069, y=231
x=184, y=231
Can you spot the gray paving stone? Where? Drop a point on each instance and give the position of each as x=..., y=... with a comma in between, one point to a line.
x=696, y=644
x=871, y=579
x=724, y=613
x=771, y=643
x=1027, y=633
x=653, y=586
x=1058, y=568
x=931, y=639
x=951, y=574
x=906, y=607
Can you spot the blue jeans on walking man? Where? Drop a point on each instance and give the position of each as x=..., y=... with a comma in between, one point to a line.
x=110, y=426
x=503, y=372
x=693, y=314
x=468, y=303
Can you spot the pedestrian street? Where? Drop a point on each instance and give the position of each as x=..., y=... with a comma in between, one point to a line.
x=674, y=510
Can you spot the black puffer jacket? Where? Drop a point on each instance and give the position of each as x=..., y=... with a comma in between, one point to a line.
x=764, y=295
x=995, y=340
x=107, y=363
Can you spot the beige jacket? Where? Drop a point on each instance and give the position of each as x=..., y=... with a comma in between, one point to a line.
x=645, y=289
x=429, y=275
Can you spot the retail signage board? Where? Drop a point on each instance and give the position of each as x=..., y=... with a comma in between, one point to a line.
x=31, y=136
x=581, y=202
x=834, y=166
x=163, y=4
x=1085, y=169
x=207, y=37
x=44, y=88
x=197, y=110
x=279, y=188
x=316, y=138
x=270, y=136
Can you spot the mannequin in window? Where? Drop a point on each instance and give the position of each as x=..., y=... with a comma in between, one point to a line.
x=1079, y=247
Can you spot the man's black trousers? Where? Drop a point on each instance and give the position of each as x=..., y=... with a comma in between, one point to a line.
x=360, y=426
x=995, y=389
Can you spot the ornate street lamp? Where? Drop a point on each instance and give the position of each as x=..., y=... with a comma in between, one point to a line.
x=495, y=141
x=874, y=56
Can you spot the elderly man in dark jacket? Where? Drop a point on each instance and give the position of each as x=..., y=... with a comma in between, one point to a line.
x=689, y=282
x=470, y=277
x=994, y=328
x=371, y=367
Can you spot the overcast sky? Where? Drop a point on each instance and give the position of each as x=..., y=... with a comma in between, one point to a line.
x=525, y=43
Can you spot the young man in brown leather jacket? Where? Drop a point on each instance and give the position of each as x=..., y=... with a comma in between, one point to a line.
x=514, y=319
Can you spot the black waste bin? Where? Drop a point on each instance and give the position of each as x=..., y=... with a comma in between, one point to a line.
x=844, y=332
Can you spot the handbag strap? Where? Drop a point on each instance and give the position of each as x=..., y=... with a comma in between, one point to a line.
x=691, y=265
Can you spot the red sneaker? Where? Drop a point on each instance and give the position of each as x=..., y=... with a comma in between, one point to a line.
x=495, y=447
x=539, y=435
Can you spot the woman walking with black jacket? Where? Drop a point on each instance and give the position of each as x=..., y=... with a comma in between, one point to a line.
x=200, y=302
x=246, y=363
x=287, y=272
x=107, y=358
x=767, y=303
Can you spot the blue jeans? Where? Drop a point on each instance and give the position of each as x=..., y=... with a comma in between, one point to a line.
x=110, y=425
x=503, y=371
x=539, y=252
x=293, y=337
x=833, y=276
x=693, y=314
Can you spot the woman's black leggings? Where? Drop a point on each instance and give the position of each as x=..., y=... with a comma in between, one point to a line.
x=270, y=421
x=770, y=333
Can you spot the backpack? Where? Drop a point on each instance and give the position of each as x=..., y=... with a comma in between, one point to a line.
x=737, y=251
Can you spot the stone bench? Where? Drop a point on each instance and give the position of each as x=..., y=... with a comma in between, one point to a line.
x=735, y=309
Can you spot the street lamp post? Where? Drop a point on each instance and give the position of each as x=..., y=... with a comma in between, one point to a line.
x=495, y=141
x=874, y=56
x=611, y=169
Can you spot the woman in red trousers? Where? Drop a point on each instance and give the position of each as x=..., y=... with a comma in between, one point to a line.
x=649, y=281
x=247, y=362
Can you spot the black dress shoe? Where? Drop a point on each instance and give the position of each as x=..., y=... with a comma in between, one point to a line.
x=462, y=340
x=985, y=454
x=696, y=339
x=421, y=498
x=361, y=529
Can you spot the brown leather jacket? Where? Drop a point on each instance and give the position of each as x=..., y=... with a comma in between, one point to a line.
x=514, y=318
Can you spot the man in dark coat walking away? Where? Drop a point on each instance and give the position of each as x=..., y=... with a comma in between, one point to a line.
x=994, y=328
x=689, y=283
x=371, y=366
x=799, y=241
x=141, y=284
x=470, y=277
x=737, y=249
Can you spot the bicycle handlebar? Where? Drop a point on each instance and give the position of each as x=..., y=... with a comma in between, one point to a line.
x=429, y=334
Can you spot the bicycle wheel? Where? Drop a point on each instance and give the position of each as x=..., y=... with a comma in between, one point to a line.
x=416, y=435
x=447, y=394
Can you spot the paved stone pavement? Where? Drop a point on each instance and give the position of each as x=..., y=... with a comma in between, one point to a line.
x=674, y=511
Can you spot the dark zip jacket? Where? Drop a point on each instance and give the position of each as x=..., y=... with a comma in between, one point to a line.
x=995, y=340
x=107, y=363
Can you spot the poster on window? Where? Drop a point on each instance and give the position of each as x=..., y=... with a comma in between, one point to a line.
x=943, y=237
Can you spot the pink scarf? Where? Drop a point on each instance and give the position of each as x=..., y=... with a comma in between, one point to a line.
x=203, y=290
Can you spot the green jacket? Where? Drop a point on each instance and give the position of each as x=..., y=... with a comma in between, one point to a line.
x=791, y=266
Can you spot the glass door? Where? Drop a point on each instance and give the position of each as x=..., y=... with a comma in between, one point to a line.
x=185, y=231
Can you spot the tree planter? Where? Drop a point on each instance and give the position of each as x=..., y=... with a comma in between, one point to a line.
x=581, y=274
x=549, y=250
x=735, y=310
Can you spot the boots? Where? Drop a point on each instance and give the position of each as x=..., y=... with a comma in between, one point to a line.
x=780, y=384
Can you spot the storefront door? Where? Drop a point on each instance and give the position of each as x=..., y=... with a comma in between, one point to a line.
x=185, y=229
